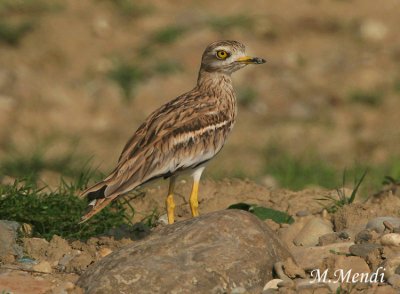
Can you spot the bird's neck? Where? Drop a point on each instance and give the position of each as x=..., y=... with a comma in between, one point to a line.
x=215, y=83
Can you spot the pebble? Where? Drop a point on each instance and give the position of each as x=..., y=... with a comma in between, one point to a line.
x=392, y=239
x=373, y=30
x=238, y=290
x=377, y=223
x=363, y=236
x=343, y=235
x=302, y=213
x=310, y=258
x=310, y=284
x=272, y=284
x=8, y=246
x=394, y=281
x=310, y=233
x=327, y=239
x=364, y=249
x=43, y=267
x=391, y=266
x=163, y=219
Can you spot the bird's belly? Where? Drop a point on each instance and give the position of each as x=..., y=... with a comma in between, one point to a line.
x=197, y=151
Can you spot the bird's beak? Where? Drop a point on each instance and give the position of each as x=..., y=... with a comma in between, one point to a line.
x=250, y=60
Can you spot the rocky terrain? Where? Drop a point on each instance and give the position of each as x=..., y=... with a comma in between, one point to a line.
x=359, y=238
x=78, y=77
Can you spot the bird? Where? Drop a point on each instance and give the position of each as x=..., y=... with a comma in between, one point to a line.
x=181, y=136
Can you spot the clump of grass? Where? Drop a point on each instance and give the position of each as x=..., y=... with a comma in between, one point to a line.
x=342, y=199
x=58, y=212
x=370, y=98
x=130, y=8
x=167, y=67
x=246, y=96
x=127, y=77
x=224, y=24
x=28, y=6
x=168, y=35
x=12, y=34
x=396, y=86
x=20, y=164
x=298, y=172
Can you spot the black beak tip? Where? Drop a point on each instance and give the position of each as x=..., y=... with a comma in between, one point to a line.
x=260, y=60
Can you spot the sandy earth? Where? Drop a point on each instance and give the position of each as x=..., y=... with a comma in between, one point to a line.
x=54, y=85
x=66, y=261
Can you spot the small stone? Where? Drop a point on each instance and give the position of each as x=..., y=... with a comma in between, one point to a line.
x=309, y=234
x=35, y=247
x=163, y=219
x=377, y=225
x=391, y=266
x=104, y=252
x=343, y=235
x=302, y=213
x=292, y=270
x=327, y=239
x=57, y=248
x=392, y=239
x=310, y=258
x=372, y=253
x=8, y=246
x=364, y=249
x=239, y=290
x=79, y=263
x=394, y=281
x=363, y=236
x=354, y=265
x=64, y=261
x=272, y=284
x=311, y=285
x=43, y=267
x=373, y=30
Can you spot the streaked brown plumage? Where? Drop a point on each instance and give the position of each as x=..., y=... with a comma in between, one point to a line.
x=181, y=135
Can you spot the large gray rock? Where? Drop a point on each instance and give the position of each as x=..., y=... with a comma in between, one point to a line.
x=213, y=253
x=8, y=246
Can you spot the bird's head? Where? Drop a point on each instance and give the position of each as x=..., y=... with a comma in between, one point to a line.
x=227, y=57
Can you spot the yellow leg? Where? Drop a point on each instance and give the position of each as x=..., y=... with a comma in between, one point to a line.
x=194, y=203
x=170, y=201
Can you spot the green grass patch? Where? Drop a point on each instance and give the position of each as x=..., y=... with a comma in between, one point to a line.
x=167, y=67
x=12, y=34
x=29, y=165
x=224, y=24
x=298, y=172
x=58, y=212
x=130, y=8
x=127, y=76
x=168, y=35
x=246, y=96
x=370, y=98
x=334, y=203
x=30, y=7
x=396, y=86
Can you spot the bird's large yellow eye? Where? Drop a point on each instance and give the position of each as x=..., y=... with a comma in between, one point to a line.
x=222, y=54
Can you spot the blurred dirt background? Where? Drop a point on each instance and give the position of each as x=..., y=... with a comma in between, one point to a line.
x=78, y=77
x=86, y=74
